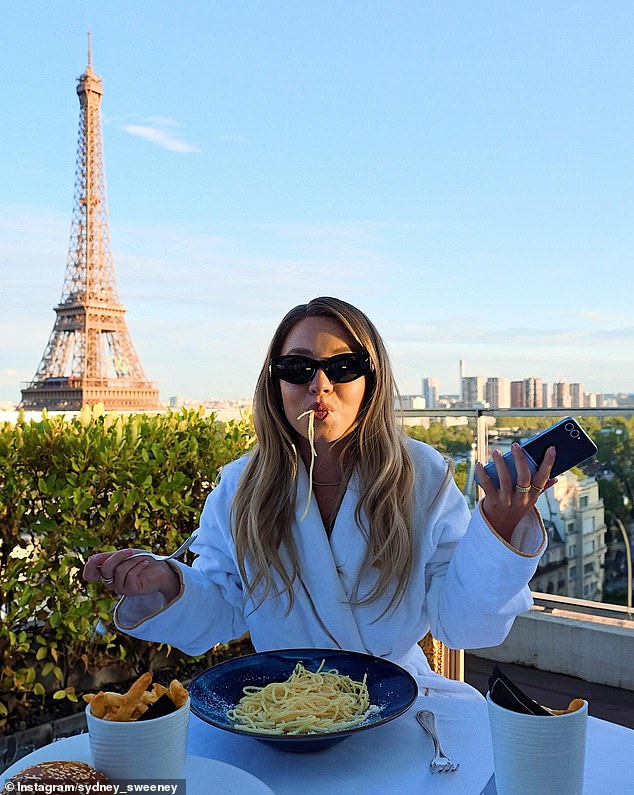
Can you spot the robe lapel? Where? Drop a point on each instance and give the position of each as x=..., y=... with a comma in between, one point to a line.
x=319, y=558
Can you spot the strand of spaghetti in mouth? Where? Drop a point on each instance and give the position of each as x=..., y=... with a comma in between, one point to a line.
x=313, y=456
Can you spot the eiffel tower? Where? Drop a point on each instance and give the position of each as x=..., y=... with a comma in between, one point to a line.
x=90, y=357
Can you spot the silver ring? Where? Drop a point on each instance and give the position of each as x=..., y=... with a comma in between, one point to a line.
x=108, y=580
x=522, y=489
x=537, y=489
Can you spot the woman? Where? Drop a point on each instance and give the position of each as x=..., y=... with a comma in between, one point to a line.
x=339, y=531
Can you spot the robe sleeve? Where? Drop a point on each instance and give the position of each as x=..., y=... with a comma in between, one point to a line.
x=209, y=607
x=475, y=582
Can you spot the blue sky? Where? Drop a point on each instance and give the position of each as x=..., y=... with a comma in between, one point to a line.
x=461, y=171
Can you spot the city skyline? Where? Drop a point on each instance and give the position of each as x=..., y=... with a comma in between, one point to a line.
x=462, y=174
x=575, y=385
x=499, y=391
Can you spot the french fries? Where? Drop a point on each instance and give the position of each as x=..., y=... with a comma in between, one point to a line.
x=574, y=705
x=177, y=693
x=131, y=705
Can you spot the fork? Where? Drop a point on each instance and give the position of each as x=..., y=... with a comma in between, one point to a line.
x=177, y=554
x=441, y=762
x=101, y=628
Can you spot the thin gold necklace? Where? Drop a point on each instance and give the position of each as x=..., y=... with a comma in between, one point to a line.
x=337, y=483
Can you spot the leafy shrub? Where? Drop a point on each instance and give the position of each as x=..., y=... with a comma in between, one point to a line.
x=70, y=487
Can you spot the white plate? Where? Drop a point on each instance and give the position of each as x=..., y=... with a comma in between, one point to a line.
x=200, y=771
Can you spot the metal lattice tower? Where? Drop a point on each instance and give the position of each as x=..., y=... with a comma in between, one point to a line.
x=90, y=357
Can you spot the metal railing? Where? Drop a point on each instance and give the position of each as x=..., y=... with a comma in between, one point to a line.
x=480, y=415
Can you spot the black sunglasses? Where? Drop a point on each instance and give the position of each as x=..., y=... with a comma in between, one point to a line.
x=339, y=369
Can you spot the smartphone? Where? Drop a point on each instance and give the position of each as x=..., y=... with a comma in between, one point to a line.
x=571, y=442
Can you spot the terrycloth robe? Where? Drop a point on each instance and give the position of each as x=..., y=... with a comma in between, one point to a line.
x=467, y=584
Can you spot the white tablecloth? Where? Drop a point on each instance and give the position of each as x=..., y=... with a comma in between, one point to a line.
x=394, y=759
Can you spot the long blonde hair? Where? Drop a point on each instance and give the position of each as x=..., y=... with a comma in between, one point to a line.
x=264, y=504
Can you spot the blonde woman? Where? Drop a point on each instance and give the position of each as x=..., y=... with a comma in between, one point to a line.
x=338, y=531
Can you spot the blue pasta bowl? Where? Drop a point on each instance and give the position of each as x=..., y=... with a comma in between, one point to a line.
x=218, y=689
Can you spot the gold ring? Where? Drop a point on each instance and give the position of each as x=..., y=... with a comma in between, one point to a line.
x=533, y=486
x=522, y=489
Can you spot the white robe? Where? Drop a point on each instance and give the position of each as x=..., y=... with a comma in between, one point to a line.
x=467, y=584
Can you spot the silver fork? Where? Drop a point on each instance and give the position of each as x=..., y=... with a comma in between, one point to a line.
x=180, y=551
x=441, y=762
x=101, y=628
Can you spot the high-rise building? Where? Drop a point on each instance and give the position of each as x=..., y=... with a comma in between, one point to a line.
x=517, y=395
x=90, y=357
x=430, y=392
x=576, y=395
x=561, y=395
x=533, y=392
x=472, y=391
x=497, y=392
x=527, y=393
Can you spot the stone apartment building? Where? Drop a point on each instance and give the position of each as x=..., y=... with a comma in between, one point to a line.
x=574, y=517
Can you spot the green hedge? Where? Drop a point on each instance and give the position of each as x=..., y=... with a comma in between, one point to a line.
x=73, y=486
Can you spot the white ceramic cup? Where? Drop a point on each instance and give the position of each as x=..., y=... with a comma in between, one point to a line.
x=147, y=749
x=542, y=754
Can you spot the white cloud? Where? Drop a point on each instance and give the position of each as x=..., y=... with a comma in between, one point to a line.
x=18, y=171
x=590, y=315
x=163, y=132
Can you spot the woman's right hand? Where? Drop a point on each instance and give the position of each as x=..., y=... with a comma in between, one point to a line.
x=136, y=577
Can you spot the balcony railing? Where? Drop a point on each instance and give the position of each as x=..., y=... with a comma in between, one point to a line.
x=480, y=415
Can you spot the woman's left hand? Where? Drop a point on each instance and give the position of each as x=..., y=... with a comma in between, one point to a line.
x=506, y=505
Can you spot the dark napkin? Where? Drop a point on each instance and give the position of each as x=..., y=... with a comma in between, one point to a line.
x=506, y=694
x=162, y=706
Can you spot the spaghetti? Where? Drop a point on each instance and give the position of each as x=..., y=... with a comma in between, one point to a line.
x=313, y=455
x=306, y=703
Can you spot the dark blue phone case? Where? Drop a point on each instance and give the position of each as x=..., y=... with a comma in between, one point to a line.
x=572, y=443
x=510, y=463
